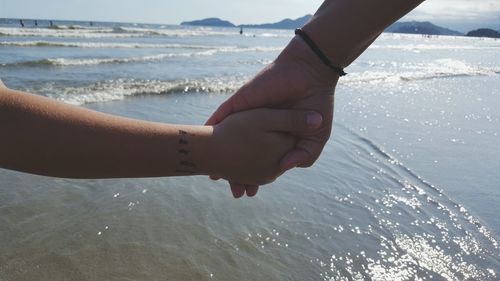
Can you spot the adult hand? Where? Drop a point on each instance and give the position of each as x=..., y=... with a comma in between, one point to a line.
x=287, y=83
x=249, y=145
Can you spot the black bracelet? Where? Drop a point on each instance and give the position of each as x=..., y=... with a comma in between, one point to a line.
x=318, y=52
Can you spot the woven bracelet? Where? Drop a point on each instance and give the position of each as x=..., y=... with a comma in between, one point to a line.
x=339, y=70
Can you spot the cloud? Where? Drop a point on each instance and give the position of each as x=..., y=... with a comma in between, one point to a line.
x=451, y=10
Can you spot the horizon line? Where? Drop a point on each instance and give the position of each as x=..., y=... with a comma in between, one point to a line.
x=489, y=26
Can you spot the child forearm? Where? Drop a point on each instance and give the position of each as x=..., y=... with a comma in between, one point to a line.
x=46, y=137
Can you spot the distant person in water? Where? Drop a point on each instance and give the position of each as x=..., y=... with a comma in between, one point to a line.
x=91, y=24
x=21, y=23
x=36, y=23
x=51, y=23
x=241, y=30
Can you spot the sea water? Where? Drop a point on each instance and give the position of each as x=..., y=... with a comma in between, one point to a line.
x=406, y=189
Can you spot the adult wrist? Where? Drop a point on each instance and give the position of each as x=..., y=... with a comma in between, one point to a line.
x=319, y=53
x=299, y=54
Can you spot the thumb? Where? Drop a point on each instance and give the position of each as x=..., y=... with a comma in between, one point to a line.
x=295, y=122
x=306, y=152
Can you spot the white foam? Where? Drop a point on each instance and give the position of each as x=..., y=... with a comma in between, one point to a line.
x=114, y=32
x=41, y=43
x=440, y=68
x=94, y=61
x=64, y=32
x=97, y=61
x=422, y=47
x=121, y=88
x=221, y=49
x=151, y=58
x=418, y=43
x=74, y=26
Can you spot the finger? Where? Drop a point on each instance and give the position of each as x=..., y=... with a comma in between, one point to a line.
x=251, y=190
x=296, y=122
x=240, y=101
x=238, y=190
x=293, y=159
x=306, y=152
x=225, y=109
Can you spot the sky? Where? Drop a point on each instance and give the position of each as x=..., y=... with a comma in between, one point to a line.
x=461, y=15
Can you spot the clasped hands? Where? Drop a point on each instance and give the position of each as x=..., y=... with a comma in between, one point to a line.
x=295, y=81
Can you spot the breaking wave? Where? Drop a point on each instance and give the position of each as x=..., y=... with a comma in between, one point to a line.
x=121, y=88
x=77, y=31
x=441, y=68
x=104, y=45
x=61, y=62
x=97, y=61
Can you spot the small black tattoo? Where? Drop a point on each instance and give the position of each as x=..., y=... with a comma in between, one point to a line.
x=185, y=167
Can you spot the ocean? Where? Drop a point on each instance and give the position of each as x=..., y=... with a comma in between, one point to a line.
x=407, y=188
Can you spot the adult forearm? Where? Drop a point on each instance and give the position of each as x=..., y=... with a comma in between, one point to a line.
x=42, y=136
x=343, y=29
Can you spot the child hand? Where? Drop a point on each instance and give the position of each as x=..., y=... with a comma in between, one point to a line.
x=248, y=146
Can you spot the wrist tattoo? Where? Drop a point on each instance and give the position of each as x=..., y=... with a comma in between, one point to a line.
x=183, y=139
x=185, y=165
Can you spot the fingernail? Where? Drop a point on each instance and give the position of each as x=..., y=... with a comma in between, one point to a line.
x=313, y=119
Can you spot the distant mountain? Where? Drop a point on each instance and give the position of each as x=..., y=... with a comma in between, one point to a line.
x=209, y=22
x=484, y=32
x=284, y=24
x=416, y=27
x=413, y=27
